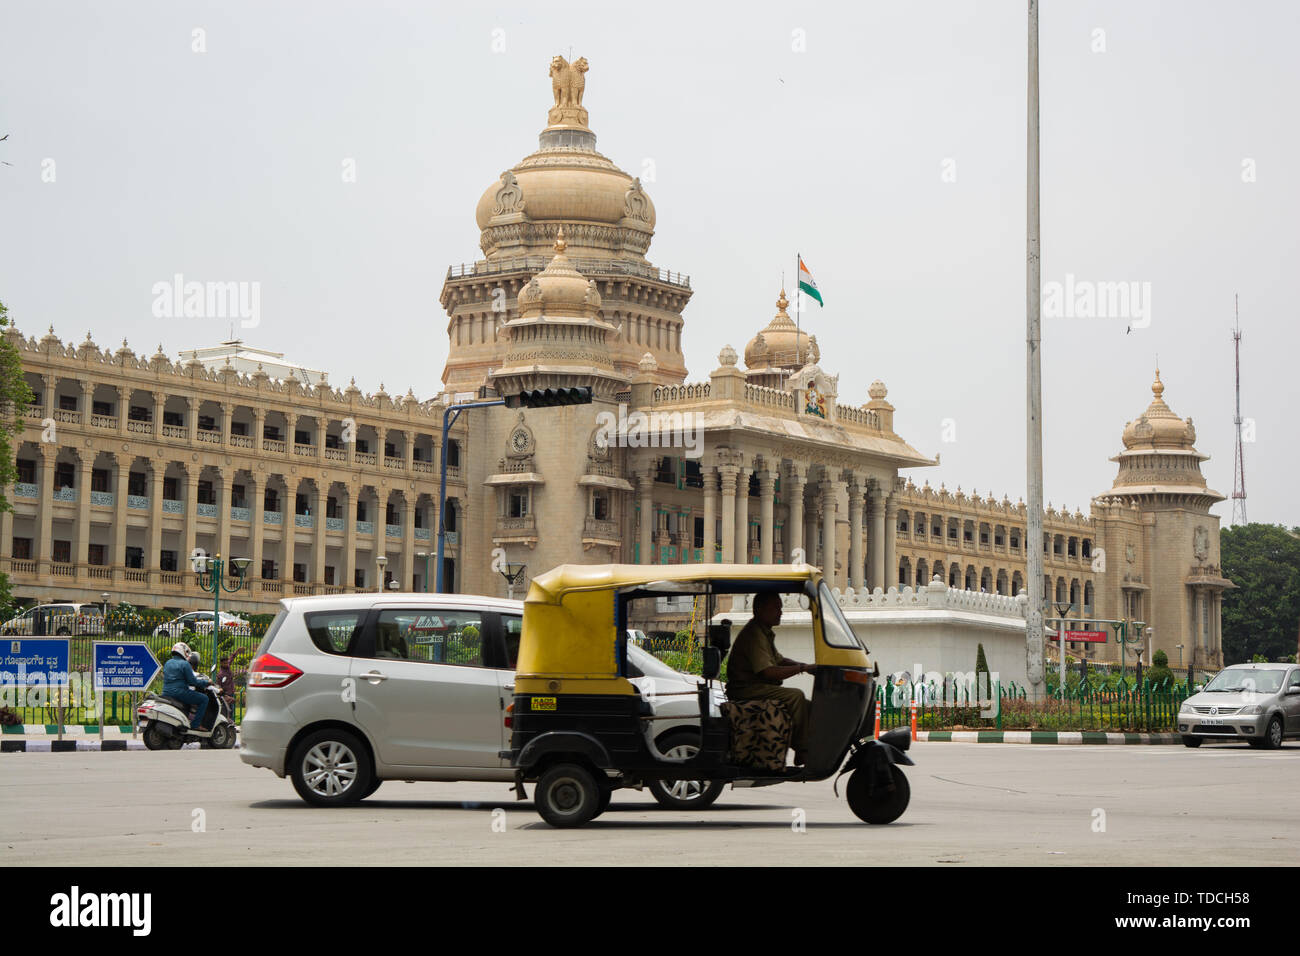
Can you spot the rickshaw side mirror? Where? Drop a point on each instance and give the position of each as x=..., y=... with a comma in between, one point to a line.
x=712, y=664
x=720, y=637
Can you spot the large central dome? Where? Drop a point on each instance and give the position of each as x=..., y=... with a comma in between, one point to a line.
x=604, y=212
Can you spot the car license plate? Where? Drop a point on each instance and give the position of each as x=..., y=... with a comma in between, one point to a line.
x=543, y=703
x=1211, y=722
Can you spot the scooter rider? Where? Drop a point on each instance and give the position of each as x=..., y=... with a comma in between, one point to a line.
x=179, y=678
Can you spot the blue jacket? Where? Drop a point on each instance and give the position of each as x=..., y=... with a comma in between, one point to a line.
x=178, y=676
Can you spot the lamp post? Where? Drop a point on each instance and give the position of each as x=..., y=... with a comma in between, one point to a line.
x=104, y=596
x=1062, y=609
x=209, y=573
x=426, y=555
x=382, y=561
x=1180, y=654
x=1122, y=637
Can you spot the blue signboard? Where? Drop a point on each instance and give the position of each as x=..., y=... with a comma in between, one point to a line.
x=124, y=666
x=29, y=660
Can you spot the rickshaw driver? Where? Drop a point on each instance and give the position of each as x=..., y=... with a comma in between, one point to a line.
x=756, y=669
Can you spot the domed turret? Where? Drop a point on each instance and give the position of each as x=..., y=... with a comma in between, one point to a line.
x=1158, y=426
x=1160, y=461
x=605, y=212
x=779, y=350
x=559, y=339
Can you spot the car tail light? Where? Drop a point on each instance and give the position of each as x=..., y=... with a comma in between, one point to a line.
x=510, y=709
x=269, y=671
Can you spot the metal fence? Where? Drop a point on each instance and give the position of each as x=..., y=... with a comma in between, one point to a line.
x=41, y=703
x=957, y=705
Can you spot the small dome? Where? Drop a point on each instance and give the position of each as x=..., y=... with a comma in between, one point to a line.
x=1158, y=426
x=559, y=289
x=781, y=344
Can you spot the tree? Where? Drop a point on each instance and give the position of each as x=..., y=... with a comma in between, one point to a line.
x=15, y=396
x=1159, y=673
x=1260, y=614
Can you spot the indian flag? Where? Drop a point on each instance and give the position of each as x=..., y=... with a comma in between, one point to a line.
x=807, y=284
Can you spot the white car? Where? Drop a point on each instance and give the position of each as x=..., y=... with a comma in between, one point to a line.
x=200, y=622
x=349, y=690
x=57, y=619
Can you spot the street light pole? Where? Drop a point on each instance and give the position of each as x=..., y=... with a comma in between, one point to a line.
x=449, y=416
x=210, y=575
x=1034, y=424
x=382, y=561
x=426, y=555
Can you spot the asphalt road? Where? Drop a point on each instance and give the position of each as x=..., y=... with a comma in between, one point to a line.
x=984, y=804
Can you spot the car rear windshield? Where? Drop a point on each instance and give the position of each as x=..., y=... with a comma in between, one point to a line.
x=265, y=646
x=334, y=631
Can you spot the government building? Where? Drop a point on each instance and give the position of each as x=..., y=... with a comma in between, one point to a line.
x=130, y=465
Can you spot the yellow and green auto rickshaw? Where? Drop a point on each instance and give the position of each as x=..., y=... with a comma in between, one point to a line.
x=581, y=729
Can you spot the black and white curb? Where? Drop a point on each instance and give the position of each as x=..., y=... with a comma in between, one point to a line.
x=1044, y=737
x=44, y=738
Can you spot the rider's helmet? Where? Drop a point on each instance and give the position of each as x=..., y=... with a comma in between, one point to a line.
x=194, y=659
x=181, y=648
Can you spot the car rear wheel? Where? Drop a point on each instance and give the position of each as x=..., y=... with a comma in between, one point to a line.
x=884, y=804
x=1190, y=741
x=331, y=769
x=683, y=794
x=567, y=795
x=1273, y=736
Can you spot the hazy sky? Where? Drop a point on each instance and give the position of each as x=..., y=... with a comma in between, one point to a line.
x=886, y=141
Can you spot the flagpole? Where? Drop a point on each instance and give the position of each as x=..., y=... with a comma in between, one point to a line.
x=1034, y=376
x=798, y=306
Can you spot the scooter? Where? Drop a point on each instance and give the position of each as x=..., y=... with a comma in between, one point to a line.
x=165, y=722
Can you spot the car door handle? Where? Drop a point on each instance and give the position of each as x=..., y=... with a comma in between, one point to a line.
x=510, y=687
x=374, y=677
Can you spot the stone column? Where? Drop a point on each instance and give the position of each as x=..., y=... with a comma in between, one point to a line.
x=828, y=490
x=191, y=419
x=645, y=541
x=742, y=515
x=123, y=407
x=118, y=559
x=728, y=474
x=225, y=478
x=876, y=541
x=810, y=526
x=350, y=535
x=159, y=403
x=408, y=438
x=85, y=396
x=291, y=428
x=189, y=493
x=855, y=534
x=710, y=513
x=259, y=425
x=320, y=498
x=256, y=508
x=381, y=436
x=794, y=495
x=766, y=501
x=51, y=386
x=81, y=550
x=153, y=560
x=45, y=514
x=7, y=528
x=408, y=539
x=891, y=543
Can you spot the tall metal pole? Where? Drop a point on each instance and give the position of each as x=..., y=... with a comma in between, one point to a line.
x=1034, y=425
x=449, y=416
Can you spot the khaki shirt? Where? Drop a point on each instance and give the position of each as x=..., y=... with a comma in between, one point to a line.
x=753, y=651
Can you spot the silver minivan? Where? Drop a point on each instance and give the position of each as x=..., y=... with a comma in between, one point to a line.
x=1257, y=703
x=347, y=691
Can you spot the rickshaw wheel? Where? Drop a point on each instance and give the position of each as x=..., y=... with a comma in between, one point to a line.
x=567, y=795
x=881, y=805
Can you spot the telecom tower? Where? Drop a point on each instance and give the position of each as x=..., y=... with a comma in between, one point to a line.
x=1239, y=460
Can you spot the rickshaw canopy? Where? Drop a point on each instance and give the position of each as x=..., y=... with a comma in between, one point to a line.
x=570, y=613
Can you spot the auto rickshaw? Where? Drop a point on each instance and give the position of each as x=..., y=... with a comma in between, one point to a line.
x=580, y=728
